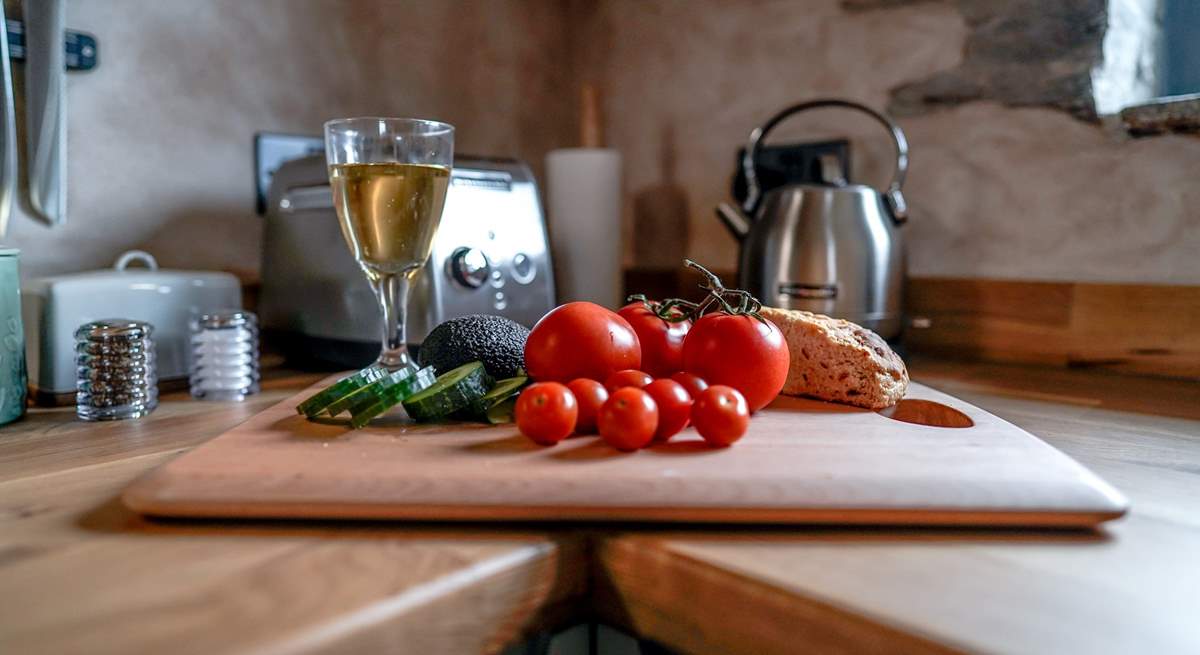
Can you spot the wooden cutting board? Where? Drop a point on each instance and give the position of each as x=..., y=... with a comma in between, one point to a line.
x=802, y=461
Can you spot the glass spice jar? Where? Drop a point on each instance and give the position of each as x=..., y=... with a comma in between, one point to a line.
x=115, y=370
x=224, y=355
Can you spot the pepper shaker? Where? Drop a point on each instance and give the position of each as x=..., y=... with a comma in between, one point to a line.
x=115, y=370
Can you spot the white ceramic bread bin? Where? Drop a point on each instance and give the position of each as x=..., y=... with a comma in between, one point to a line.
x=53, y=307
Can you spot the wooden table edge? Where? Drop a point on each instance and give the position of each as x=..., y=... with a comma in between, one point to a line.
x=640, y=588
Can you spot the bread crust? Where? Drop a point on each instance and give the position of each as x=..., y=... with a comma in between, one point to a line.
x=833, y=359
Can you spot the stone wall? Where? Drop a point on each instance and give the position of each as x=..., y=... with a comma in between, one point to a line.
x=1027, y=53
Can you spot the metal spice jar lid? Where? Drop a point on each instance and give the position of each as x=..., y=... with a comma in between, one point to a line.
x=114, y=329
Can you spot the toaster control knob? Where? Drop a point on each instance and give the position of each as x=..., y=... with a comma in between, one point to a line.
x=469, y=267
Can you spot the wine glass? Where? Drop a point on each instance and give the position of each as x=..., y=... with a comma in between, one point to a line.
x=389, y=179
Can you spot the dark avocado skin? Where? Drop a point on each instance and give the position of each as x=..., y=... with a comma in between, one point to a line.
x=496, y=341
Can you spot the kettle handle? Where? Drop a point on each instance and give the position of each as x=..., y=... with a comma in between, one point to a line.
x=893, y=196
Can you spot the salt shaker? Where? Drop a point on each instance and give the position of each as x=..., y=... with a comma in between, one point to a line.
x=224, y=364
x=115, y=370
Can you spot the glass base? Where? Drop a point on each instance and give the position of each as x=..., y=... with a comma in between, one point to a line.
x=394, y=361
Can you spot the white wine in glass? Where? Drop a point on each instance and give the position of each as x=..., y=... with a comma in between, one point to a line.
x=389, y=212
x=389, y=178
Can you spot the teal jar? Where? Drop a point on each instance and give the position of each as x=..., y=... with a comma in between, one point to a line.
x=13, y=380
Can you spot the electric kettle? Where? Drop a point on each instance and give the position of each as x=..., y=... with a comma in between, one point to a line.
x=830, y=247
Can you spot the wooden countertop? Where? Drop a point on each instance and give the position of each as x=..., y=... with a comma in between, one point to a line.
x=80, y=573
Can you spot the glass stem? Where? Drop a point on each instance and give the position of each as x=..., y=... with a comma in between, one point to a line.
x=392, y=289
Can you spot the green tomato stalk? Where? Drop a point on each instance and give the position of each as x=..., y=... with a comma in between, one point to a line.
x=736, y=302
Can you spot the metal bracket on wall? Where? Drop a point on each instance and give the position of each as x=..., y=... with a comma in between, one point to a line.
x=81, y=47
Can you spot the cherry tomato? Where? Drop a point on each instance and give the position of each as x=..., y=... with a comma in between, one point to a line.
x=627, y=378
x=740, y=351
x=691, y=383
x=661, y=340
x=546, y=412
x=674, y=406
x=720, y=415
x=590, y=395
x=580, y=340
x=628, y=420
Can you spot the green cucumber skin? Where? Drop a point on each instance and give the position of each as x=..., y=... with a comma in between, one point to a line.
x=374, y=405
x=445, y=398
x=396, y=391
x=381, y=384
x=315, y=404
x=345, y=402
x=380, y=388
x=502, y=412
x=320, y=401
x=503, y=390
x=357, y=396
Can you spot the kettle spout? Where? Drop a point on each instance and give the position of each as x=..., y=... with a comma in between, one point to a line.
x=733, y=218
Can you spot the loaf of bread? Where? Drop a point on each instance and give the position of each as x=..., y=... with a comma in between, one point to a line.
x=837, y=360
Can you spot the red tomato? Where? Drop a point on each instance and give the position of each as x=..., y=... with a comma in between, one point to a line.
x=628, y=420
x=720, y=415
x=742, y=352
x=580, y=340
x=691, y=383
x=662, y=341
x=590, y=395
x=674, y=406
x=546, y=412
x=627, y=378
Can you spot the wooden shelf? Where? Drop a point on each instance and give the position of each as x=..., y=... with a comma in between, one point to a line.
x=1142, y=329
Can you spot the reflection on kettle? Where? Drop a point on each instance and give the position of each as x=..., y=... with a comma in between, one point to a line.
x=823, y=244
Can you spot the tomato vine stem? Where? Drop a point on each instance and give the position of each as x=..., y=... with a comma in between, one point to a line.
x=736, y=302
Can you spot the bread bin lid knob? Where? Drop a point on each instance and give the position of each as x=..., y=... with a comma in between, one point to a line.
x=130, y=256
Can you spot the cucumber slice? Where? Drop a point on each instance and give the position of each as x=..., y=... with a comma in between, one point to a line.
x=503, y=390
x=454, y=390
x=373, y=403
x=378, y=389
x=320, y=401
x=348, y=401
x=502, y=412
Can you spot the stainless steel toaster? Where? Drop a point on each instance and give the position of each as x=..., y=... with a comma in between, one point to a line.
x=490, y=256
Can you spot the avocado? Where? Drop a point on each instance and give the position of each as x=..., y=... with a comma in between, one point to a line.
x=496, y=341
